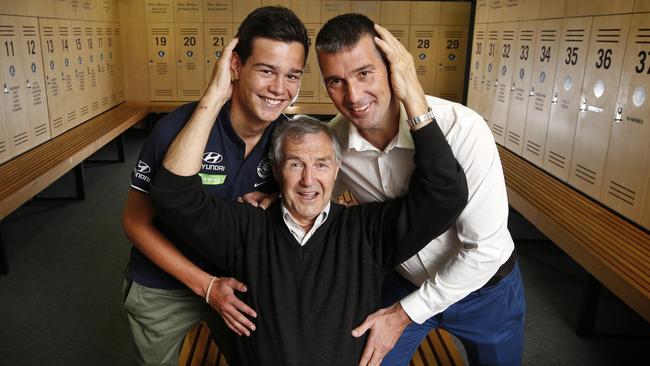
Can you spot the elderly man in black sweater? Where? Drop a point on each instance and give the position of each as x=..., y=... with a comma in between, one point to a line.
x=314, y=268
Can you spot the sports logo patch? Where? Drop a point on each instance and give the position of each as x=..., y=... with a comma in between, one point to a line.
x=264, y=168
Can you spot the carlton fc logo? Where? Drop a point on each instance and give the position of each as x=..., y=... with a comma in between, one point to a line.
x=264, y=168
x=212, y=157
x=142, y=167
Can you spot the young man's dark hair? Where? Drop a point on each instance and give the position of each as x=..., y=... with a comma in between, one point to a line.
x=271, y=22
x=343, y=32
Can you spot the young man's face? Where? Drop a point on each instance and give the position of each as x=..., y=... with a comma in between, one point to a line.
x=307, y=172
x=357, y=81
x=269, y=80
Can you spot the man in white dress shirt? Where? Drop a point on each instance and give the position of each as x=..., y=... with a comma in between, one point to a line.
x=466, y=281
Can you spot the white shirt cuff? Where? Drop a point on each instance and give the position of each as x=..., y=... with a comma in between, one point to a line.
x=416, y=308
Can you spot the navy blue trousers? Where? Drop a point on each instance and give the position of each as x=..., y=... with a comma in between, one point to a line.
x=489, y=322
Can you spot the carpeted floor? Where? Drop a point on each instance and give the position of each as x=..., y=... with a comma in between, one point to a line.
x=61, y=303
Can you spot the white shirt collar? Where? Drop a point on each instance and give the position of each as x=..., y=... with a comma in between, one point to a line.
x=301, y=236
x=403, y=140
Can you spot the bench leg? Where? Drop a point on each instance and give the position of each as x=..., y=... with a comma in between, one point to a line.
x=587, y=319
x=79, y=181
x=120, y=153
x=4, y=263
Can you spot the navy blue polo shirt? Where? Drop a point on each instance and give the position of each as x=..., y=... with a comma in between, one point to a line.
x=224, y=171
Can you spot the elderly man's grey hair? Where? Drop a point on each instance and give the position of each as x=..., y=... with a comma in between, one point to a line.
x=296, y=128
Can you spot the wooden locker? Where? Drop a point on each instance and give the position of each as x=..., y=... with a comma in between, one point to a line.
x=452, y=51
x=495, y=12
x=565, y=101
x=217, y=11
x=241, y=9
x=395, y=20
x=117, y=69
x=52, y=51
x=641, y=6
x=162, y=62
x=191, y=61
x=108, y=10
x=552, y=9
x=332, y=8
x=627, y=168
x=284, y=3
x=476, y=76
x=423, y=47
x=92, y=61
x=5, y=154
x=371, y=9
x=507, y=55
x=159, y=11
x=31, y=8
x=217, y=36
x=103, y=80
x=188, y=11
x=520, y=86
x=310, y=82
x=529, y=9
x=481, y=14
x=491, y=64
x=598, y=99
x=574, y=8
x=510, y=10
x=454, y=13
x=63, y=9
x=80, y=75
x=32, y=59
x=645, y=218
x=309, y=11
x=425, y=13
x=543, y=76
x=14, y=91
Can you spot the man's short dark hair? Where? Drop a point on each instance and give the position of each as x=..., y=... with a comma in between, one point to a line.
x=343, y=32
x=271, y=22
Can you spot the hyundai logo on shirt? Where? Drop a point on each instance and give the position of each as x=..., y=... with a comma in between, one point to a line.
x=141, y=170
x=210, y=161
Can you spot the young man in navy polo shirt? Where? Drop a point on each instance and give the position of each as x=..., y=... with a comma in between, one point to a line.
x=166, y=282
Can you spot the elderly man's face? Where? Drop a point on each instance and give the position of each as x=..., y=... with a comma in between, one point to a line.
x=307, y=172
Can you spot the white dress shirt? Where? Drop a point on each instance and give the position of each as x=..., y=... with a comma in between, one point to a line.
x=301, y=236
x=467, y=255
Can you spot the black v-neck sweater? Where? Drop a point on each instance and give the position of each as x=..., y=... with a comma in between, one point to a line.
x=309, y=298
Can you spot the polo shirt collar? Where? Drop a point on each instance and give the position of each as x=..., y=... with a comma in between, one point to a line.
x=403, y=140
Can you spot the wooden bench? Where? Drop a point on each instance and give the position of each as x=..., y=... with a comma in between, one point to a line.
x=198, y=349
x=28, y=174
x=614, y=251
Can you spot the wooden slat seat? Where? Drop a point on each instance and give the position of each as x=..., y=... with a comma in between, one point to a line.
x=615, y=251
x=28, y=174
x=438, y=349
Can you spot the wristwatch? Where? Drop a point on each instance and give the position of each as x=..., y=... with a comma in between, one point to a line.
x=421, y=118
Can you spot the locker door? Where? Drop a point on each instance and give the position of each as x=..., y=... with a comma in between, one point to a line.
x=396, y=20
x=529, y=9
x=507, y=55
x=452, y=51
x=627, y=168
x=423, y=47
x=566, y=95
x=52, y=51
x=332, y=8
x=159, y=11
x=117, y=69
x=162, y=65
x=91, y=58
x=217, y=36
x=641, y=6
x=598, y=97
x=80, y=77
x=33, y=8
x=539, y=105
x=241, y=8
x=36, y=95
x=69, y=54
x=190, y=66
x=371, y=9
x=188, y=11
x=495, y=12
x=14, y=92
x=217, y=11
x=310, y=85
x=481, y=12
x=520, y=85
x=491, y=73
x=597, y=7
x=103, y=81
x=511, y=10
x=552, y=9
x=285, y=3
x=645, y=218
x=476, y=77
